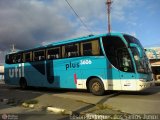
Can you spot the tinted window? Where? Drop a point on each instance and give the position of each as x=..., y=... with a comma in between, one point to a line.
x=71, y=50
x=39, y=55
x=18, y=58
x=28, y=57
x=141, y=63
x=131, y=39
x=14, y=58
x=9, y=59
x=117, y=53
x=53, y=53
x=90, y=48
x=124, y=60
x=87, y=49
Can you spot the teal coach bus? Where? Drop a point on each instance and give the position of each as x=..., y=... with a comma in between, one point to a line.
x=97, y=63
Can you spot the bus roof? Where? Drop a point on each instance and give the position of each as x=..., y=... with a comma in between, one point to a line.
x=61, y=42
x=81, y=39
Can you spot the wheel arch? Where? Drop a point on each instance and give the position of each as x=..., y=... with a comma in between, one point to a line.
x=21, y=81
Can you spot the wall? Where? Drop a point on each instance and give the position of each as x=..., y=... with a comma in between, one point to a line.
x=1, y=72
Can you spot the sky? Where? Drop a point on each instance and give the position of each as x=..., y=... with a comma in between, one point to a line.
x=30, y=23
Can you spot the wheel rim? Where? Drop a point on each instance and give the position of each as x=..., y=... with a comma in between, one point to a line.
x=96, y=86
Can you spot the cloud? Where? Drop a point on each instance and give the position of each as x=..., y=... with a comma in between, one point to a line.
x=119, y=8
x=29, y=23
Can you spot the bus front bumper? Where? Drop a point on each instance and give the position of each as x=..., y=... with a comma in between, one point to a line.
x=141, y=85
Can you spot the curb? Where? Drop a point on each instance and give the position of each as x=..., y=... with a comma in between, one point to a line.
x=28, y=105
x=59, y=111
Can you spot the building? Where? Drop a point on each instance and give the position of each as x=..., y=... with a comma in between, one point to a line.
x=154, y=57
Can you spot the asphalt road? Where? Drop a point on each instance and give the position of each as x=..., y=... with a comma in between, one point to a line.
x=144, y=102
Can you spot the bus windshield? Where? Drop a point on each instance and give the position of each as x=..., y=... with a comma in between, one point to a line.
x=131, y=39
x=141, y=63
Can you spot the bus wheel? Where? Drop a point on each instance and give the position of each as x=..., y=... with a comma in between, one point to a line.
x=96, y=87
x=23, y=83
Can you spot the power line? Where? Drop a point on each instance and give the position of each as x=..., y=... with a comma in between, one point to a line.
x=78, y=17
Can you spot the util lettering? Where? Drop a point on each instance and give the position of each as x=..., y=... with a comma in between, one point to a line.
x=17, y=71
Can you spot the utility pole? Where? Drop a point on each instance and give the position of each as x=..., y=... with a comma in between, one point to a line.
x=108, y=11
x=13, y=48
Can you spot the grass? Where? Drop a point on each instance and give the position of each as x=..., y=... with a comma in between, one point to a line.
x=102, y=106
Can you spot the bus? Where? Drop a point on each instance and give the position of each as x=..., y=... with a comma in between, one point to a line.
x=97, y=63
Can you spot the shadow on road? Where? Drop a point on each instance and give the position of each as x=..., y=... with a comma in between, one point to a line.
x=49, y=90
x=101, y=101
x=149, y=91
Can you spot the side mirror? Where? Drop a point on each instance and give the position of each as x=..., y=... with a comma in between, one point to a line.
x=138, y=48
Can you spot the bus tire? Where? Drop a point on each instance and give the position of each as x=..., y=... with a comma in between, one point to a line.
x=23, y=83
x=96, y=86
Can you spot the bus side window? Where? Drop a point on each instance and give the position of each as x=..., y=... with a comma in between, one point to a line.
x=90, y=48
x=18, y=58
x=9, y=59
x=15, y=58
x=87, y=49
x=28, y=57
x=39, y=55
x=71, y=50
x=53, y=53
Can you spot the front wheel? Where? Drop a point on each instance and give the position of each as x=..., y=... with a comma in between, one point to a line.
x=96, y=87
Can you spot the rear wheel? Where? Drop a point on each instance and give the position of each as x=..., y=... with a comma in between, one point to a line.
x=96, y=87
x=23, y=83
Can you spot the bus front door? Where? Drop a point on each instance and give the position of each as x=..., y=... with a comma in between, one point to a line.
x=126, y=70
